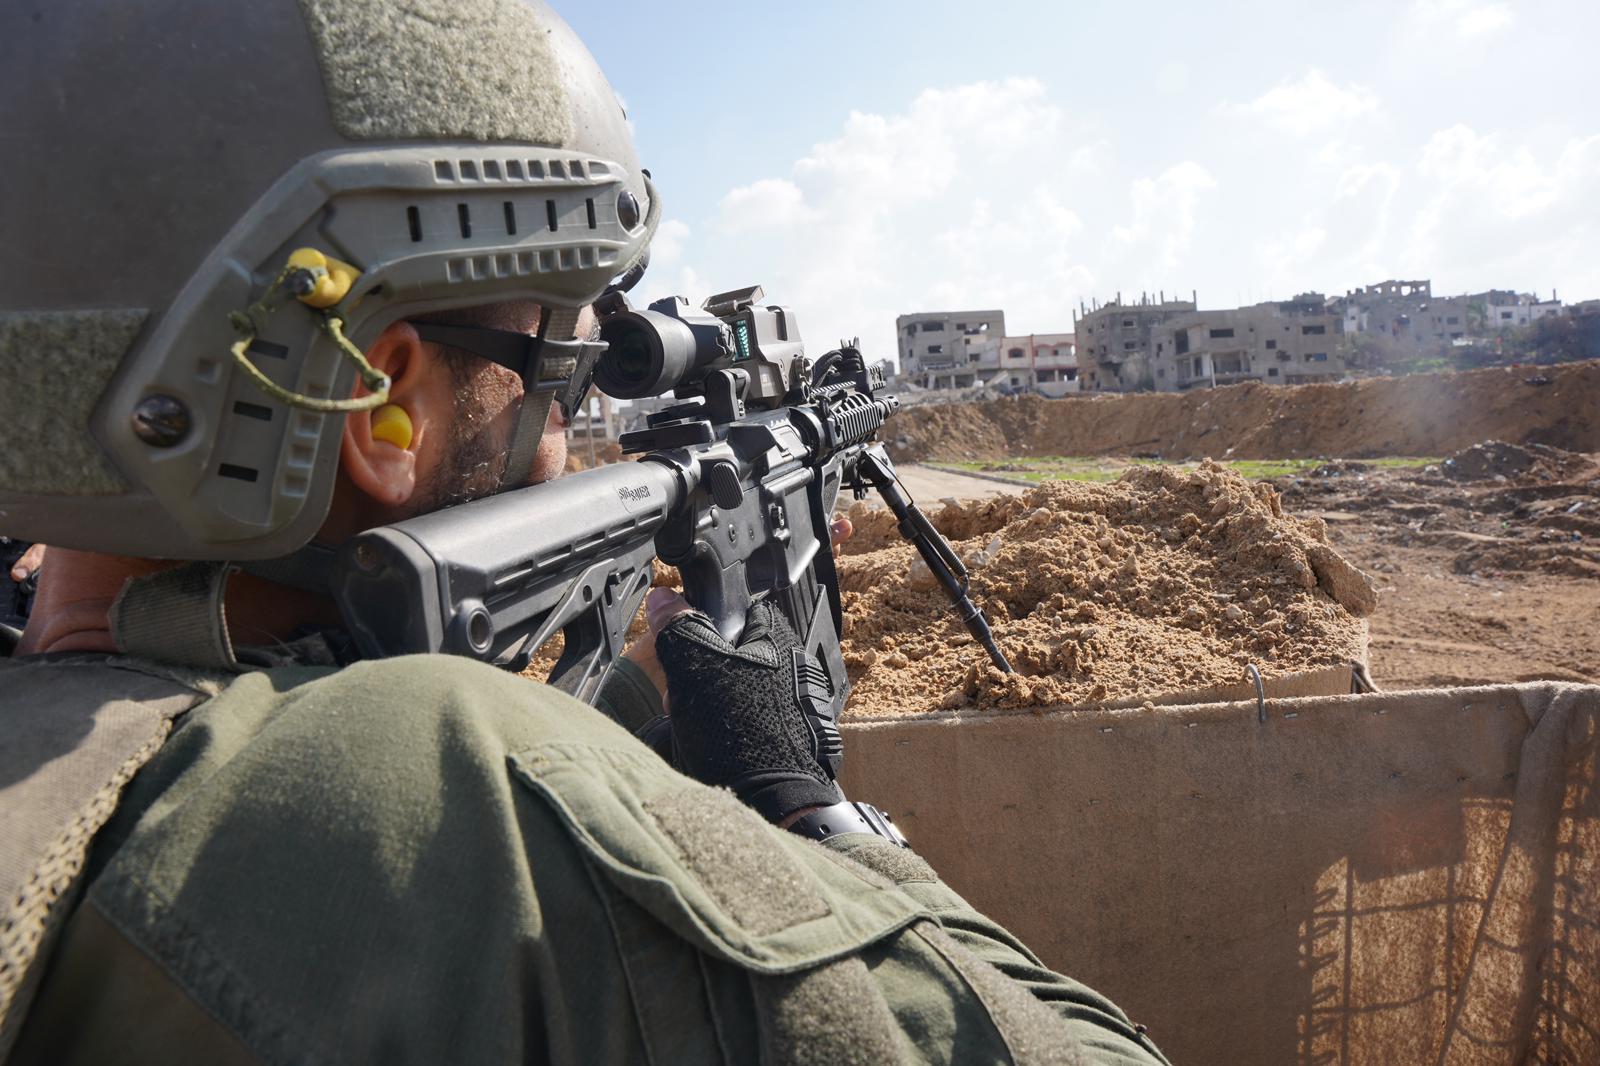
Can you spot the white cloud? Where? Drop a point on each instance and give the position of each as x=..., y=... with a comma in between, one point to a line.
x=666, y=248
x=1283, y=257
x=1165, y=210
x=1485, y=19
x=1346, y=237
x=669, y=274
x=1310, y=105
x=1469, y=18
x=1470, y=209
x=960, y=200
x=765, y=204
x=1505, y=205
x=1504, y=180
x=990, y=195
x=1090, y=157
x=1173, y=77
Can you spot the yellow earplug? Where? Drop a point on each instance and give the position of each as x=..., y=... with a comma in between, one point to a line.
x=391, y=423
x=326, y=280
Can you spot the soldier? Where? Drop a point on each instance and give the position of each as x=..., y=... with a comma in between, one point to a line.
x=227, y=842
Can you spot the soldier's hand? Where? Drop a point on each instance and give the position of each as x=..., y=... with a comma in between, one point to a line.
x=662, y=605
x=736, y=718
x=28, y=564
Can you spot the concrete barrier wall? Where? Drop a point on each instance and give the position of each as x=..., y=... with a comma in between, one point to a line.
x=1386, y=878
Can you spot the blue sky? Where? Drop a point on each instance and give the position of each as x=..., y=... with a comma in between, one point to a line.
x=866, y=160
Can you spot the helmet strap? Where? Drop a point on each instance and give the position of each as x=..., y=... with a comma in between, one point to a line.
x=556, y=324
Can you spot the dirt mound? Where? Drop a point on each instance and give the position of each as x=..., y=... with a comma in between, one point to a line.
x=875, y=526
x=1421, y=414
x=1496, y=460
x=1161, y=582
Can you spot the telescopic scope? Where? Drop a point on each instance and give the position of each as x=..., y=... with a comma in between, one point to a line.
x=651, y=353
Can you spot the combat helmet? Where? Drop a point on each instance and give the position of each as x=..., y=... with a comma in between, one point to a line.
x=210, y=208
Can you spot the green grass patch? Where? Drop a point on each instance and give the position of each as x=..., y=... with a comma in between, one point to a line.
x=1266, y=469
x=1401, y=464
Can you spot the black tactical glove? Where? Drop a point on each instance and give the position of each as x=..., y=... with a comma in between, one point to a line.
x=737, y=719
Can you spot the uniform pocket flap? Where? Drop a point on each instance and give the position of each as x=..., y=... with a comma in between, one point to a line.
x=708, y=867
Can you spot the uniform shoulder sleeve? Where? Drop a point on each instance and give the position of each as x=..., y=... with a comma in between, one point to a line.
x=1099, y=1025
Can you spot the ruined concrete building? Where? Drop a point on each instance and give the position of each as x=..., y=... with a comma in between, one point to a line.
x=1045, y=363
x=969, y=349
x=1172, y=346
x=1402, y=319
x=1153, y=343
x=943, y=349
x=1117, y=341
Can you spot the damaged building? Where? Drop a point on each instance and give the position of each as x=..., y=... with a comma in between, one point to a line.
x=1172, y=346
x=970, y=349
x=945, y=349
x=1117, y=342
x=1403, y=319
x=1156, y=344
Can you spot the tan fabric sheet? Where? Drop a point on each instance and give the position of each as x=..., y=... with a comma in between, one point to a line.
x=1389, y=878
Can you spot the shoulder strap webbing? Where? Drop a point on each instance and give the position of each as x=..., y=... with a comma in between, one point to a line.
x=176, y=616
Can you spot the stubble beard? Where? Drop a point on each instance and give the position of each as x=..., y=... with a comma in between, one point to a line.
x=477, y=456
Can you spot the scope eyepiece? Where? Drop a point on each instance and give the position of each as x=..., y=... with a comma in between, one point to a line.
x=648, y=353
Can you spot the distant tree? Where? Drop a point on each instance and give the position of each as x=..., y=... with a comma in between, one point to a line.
x=1477, y=318
x=1554, y=339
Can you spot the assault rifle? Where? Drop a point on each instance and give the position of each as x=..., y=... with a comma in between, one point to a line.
x=735, y=488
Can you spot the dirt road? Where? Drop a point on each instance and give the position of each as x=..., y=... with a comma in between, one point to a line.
x=928, y=485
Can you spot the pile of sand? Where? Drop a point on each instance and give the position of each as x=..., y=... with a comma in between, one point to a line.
x=1164, y=581
x=1419, y=414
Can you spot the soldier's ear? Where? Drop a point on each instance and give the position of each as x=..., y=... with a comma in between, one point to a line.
x=387, y=451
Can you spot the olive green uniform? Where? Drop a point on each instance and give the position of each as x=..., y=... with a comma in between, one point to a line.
x=429, y=860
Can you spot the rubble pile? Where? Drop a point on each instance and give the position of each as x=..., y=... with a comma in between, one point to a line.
x=1492, y=508
x=1495, y=460
x=1164, y=581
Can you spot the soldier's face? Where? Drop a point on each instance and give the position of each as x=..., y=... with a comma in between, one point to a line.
x=487, y=401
